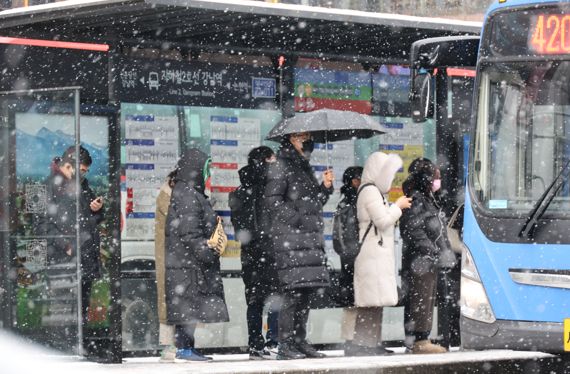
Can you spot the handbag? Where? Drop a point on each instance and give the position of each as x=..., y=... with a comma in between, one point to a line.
x=453, y=234
x=218, y=240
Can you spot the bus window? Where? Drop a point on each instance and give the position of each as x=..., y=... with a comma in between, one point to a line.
x=521, y=141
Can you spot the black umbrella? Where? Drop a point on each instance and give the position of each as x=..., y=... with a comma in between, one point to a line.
x=327, y=125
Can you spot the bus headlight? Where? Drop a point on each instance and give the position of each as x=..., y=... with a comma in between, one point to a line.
x=474, y=302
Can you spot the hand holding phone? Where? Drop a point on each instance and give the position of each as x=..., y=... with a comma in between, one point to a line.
x=96, y=204
x=328, y=178
x=404, y=202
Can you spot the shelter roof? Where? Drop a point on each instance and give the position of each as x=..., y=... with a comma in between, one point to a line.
x=240, y=26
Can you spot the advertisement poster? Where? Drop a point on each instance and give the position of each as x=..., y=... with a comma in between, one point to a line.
x=341, y=90
x=231, y=140
x=151, y=152
x=39, y=139
x=404, y=138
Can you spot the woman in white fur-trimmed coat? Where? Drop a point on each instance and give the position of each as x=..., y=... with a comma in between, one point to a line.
x=375, y=267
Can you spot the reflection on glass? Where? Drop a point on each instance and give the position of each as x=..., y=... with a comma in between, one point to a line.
x=522, y=137
x=39, y=219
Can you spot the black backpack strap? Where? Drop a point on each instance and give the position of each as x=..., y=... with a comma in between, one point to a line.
x=370, y=224
x=362, y=187
x=366, y=233
x=381, y=242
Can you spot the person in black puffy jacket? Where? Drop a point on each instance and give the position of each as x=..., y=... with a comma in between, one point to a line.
x=193, y=282
x=258, y=273
x=424, y=234
x=345, y=234
x=295, y=202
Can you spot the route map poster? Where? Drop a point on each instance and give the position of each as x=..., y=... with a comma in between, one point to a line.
x=151, y=152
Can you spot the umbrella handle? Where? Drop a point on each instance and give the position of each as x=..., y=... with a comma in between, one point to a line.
x=327, y=149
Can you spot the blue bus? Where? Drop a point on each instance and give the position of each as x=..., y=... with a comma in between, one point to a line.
x=515, y=269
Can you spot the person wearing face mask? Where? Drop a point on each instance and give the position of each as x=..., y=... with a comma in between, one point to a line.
x=193, y=282
x=294, y=200
x=258, y=274
x=424, y=235
x=91, y=215
x=375, y=281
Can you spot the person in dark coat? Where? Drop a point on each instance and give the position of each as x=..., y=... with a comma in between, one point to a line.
x=91, y=215
x=347, y=235
x=258, y=274
x=423, y=230
x=295, y=202
x=193, y=283
x=57, y=223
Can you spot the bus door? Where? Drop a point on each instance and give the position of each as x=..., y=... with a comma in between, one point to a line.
x=443, y=74
x=40, y=184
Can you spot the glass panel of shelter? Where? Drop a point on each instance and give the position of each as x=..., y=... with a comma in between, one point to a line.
x=227, y=134
x=38, y=217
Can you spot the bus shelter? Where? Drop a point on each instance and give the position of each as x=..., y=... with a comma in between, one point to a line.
x=135, y=82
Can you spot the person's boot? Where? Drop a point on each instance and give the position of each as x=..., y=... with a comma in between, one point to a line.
x=382, y=350
x=168, y=354
x=288, y=351
x=309, y=350
x=272, y=347
x=191, y=354
x=259, y=354
x=427, y=347
x=348, y=348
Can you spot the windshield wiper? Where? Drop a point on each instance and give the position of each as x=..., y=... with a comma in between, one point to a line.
x=544, y=201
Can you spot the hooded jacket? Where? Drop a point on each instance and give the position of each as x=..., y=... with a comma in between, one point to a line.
x=249, y=220
x=295, y=202
x=375, y=280
x=424, y=232
x=193, y=284
x=246, y=204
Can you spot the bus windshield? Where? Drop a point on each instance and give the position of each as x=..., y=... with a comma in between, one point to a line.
x=522, y=135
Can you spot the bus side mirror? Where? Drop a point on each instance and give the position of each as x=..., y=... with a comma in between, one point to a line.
x=429, y=54
x=421, y=99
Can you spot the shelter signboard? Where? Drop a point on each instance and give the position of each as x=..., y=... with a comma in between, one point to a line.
x=194, y=83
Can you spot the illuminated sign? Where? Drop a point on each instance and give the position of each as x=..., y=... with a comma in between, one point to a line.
x=550, y=34
x=54, y=44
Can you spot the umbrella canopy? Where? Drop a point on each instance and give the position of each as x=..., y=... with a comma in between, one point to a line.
x=327, y=125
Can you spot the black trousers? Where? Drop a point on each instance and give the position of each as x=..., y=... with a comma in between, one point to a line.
x=418, y=308
x=86, y=285
x=255, y=324
x=294, y=315
x=184, y=335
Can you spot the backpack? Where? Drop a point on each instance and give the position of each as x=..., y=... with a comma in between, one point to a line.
x=243, y=213
x=346, y=242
